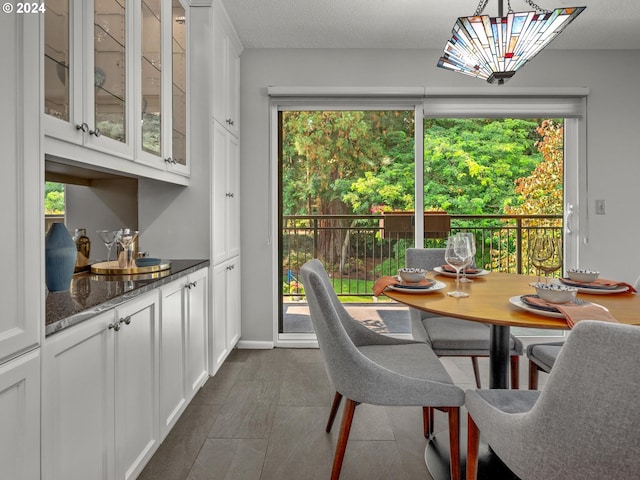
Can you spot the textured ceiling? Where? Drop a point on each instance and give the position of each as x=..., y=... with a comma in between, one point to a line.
x=605, y=24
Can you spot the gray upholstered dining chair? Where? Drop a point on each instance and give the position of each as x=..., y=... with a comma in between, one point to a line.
x=583, y=425
x=454, y=337
x=541, y=357
x=366, y=367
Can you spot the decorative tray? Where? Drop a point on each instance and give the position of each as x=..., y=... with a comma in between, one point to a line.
x=112, y=268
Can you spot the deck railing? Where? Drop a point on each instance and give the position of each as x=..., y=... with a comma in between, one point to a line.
x=356, y=252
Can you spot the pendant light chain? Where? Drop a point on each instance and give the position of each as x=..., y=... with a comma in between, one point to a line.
x=483, y=4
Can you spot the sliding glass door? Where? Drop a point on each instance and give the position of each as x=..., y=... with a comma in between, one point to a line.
x=341, y=174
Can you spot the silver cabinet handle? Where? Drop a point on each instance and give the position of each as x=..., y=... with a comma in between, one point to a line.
x=95, y=132
x=83, y=126
x=126, y=320
x=115, y=326
x=190, y=285
x=230, y=194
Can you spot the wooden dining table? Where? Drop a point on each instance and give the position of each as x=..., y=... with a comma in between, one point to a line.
x=488, y=302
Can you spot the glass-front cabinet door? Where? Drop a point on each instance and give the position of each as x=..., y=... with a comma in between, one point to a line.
x=179, y=22
x=57, y=59
x=150, y=81
x=162, y=82
x=110, y=91
x=87, y=69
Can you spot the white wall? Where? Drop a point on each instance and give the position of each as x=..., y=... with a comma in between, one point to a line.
x=174, y=220
x=613, y=127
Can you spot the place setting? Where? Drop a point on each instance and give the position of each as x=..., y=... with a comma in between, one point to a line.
x=559, y=301
x=588, y=281
x=558, y=298
x=408, y=280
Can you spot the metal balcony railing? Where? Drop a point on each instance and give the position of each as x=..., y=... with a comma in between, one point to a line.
x=356, y=250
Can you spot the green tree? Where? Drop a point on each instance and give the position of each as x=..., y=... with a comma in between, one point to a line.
x=324, y=153
x=471, y=164
x=53, y=198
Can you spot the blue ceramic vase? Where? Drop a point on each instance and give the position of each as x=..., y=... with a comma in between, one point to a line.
x=60, y=254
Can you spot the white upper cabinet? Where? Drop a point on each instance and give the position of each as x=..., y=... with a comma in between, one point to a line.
x=21, y=194
x=225, y=234
x=88, y=66
x=161, y=79
x=116, y=84
x=226, y=73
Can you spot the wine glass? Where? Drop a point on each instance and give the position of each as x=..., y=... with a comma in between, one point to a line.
x=540, y=250
x=472, y=246
x=554, y=261
x=125, y=238
x=109, y=239
x=458, y=255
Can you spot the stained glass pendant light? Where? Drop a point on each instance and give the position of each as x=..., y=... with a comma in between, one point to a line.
x=494, y=48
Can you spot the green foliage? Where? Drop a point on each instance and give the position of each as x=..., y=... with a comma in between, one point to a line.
x=53, y=198
x=471, y=164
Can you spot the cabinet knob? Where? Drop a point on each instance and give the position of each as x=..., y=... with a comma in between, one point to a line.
x=83, y=126
x=114, y=326
x=95, y=132
x=230, y=267
x=126, y=320
x=230, y=122
x=170, y=160
x=230, y=194
x=190, y=285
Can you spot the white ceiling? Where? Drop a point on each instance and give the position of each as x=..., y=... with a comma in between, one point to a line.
x=605, y=24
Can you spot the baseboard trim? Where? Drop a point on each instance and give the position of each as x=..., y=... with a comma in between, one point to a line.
x=254, y=345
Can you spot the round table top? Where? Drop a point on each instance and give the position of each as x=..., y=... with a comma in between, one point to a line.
x=488, y=302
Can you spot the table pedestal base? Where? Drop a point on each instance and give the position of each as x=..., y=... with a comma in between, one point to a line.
x=436, y=456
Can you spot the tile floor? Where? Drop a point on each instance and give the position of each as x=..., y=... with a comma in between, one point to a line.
x=262, y=417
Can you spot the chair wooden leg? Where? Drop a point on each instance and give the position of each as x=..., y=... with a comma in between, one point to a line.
x=515, y=372
x=427, y=421
x=343, y=438
x=533, y=376
x=473, y=442
x=454, y=441
x=476, y=370
x=337, y=398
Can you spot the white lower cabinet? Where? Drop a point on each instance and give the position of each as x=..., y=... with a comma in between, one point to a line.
x=114, y=385
x=100, y=395
x=183, y=345
x=226, y=310
x=20, y=417
x=197, y=331
x=136, y=366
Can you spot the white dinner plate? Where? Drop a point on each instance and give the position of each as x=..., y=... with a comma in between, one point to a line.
x=520, y=304
x=412, y=289
x=444, y=273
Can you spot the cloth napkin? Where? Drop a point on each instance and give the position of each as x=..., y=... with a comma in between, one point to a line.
x=574, y=313
x=469, y=270
x=383, y=282
x=600, y=282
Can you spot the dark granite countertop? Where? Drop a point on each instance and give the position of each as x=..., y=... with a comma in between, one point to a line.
x=92, y=294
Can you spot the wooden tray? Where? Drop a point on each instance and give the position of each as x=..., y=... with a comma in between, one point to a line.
x=112, y=268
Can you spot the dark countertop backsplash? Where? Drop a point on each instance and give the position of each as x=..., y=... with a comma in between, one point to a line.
x=92, y=294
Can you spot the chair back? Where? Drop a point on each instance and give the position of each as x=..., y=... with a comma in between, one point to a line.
x=427, y=258
x=334, y=327
x=588, y=414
